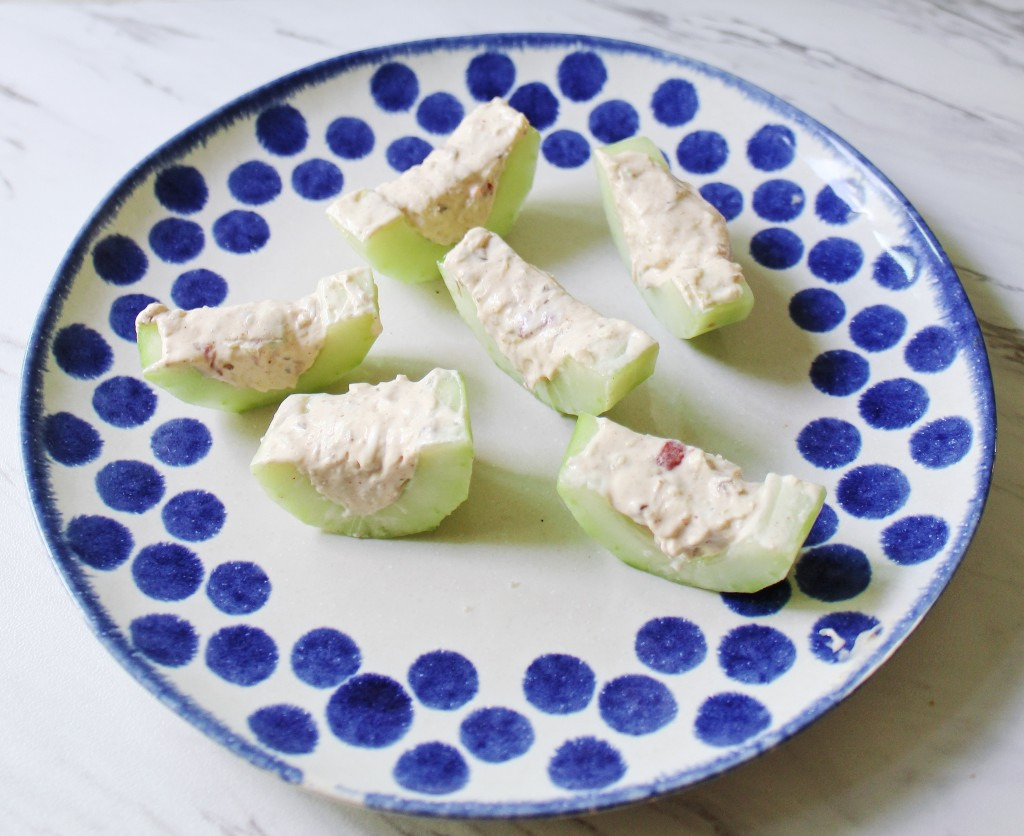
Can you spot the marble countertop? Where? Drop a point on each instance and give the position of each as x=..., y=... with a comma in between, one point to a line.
x=928, y=90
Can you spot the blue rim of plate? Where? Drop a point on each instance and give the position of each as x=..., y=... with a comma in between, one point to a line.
x=949, y=292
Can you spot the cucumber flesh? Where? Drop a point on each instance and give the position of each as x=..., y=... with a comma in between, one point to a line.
x=438, y=485
x=762, y=553
x=391, y=238
x=350, y=313
x=571, y=358
x=678, y=299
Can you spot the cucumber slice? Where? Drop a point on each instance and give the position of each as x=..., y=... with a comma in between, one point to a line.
x=345, y=306
x=749, y=552
x=679, y=257
x=563, y=351
x=479, y=177
x=378, y=461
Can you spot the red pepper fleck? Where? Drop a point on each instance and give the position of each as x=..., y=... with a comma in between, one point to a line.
x=670, y=456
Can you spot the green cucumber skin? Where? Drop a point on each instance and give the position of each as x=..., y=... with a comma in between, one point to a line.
x=667, y=303
x=748, y=565
x=398, y=250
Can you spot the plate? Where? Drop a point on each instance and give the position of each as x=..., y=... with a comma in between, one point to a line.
x=505, y=665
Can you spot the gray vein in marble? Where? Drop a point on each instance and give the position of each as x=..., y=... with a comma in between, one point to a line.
x=8, y=92
x=143, y=31
x=303, y=37
x=968, y=274
x=1004, y=341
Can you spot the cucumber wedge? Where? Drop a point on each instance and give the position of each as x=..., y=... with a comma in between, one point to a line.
x=385, y=460
x=563, y=351
x=674, y=242
x=341, y=319
x=479, y=177
x=748, y=535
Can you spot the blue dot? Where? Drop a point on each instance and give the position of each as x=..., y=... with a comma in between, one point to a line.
x=565, y=149
x=165, y=639
x=581, y=75
x=893, y=404
x=878, y=327
x=817, y=309
x=199, y=288
x=282, y=130
x=778, y=200
x=873, y=491
x=896, y=269
x=123, y=312
x=119, y=260
x=238, y=587
x=254, y=183
x=834, y=636
x=942, y=443
x=537, y=103
x=496, y=735
x=636, y=704
x=613, y=120
x=325, y=657
x=82, y=352
x=702, y=152
x=767, y=601
x=194, y=516
x=176, y=240
x=181, y=188
x=558, y=683
x=241, y=231
x=670, y=645
x=756, y=655
x=394, y=87
x=833, y=572
x=370, y=710
x=407, y=151
x=776, y=248
x=839, y=372
x=124, y=401
x=130, y=486
x=771, y=148
x=932, y=349
x=317, y=179
x=915, y=539
x=433, y=768
x=831, y=208
x=439, y=113
x=242, y=655
x=181, y=442
x=285, y=728
x=490, y=74
x=99, y=542
x=70, y=440
x=167, y=571
x=675, y=102
x=586, y=763
x=825, y=526
x=829, y=442
x=835, y=260
x=728, y=200
x=728, y=719
x=443, y=679
x=350, y=138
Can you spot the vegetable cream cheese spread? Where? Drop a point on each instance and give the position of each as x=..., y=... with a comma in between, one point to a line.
x=359, y=449
x=694, y=503
x=673, y=234
x=263, y=345
x=451, y=190
x=535, y=323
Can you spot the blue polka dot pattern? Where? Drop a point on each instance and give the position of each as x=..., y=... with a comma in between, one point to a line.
x=99, y=542
x=317, y=179
x=241, y=231
x=915, y=539
x=165, y=639
x=181, y=188
x=325, y=657
x=839, y=372
x=831, y=208
x=817, y=309
x=586, y=763
x=194, y=515
x=167, y=571
x=702, y=152
x=433, y=768
x=81, y=352
x=198, y=289
x=873, y=491
x=825, y=526
x=407, y=151
x=756, y=655
x=350, y=138
x=728, y=200
x=878, y=327
x=176, y=240
x=834, y=636
x=778, y=201
x=613, y=121
x=894, y=404
x=581, y=75
x=439, y=113
x=773, y=147
x=942, y=443
x=242, y=655
x=767, y=601
x=670, y=645
x=776, y=248
x=370, y=711
x=254, y=183
x=636, y=704
x=496, y=735
x=181, y=442
x=282, y=130
x=728, y=719
x=394, y=87
x=239, y=587
x=490, y=74
x=443, y=679
x=70, y=440
x=130, y=486
x=675, y=102
x=124, y=402
x=537, y=103
x=833, y=572
x=835, y=260
x=119, y=260
x=829, y=442
x=896, y=269
x=932, y=349
x=559, y=684
x=285, y=728
x=565, y=149
x=123, y=312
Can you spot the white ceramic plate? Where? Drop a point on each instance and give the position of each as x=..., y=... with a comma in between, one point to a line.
x=505, y=664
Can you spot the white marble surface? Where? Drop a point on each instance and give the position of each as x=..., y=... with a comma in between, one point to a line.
x=932, y=91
